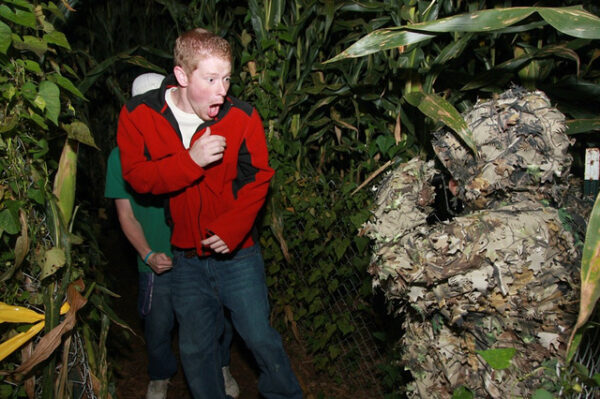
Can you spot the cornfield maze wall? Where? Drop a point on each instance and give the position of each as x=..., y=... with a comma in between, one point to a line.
x=356, y=365
x=360, y=353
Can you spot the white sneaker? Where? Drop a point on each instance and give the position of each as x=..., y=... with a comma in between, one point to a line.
x=157, y=389
x=231, y=386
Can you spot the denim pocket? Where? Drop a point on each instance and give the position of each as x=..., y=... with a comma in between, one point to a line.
x=146, y=287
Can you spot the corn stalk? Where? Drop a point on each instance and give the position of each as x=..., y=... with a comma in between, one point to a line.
x=37, y=218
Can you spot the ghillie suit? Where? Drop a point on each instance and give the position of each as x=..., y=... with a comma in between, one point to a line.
x=502, y=274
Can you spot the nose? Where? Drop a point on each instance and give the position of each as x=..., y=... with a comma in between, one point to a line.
x=223, y=88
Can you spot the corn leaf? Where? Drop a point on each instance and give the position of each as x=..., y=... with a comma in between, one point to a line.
x=99, y=69
x=576, y=126
x=50, y=341
x=18, y=314
x=478, y=21
x=381, y=39
x=590, y=270
x=441, y=110
x=14, y=343
x=572, y=21
x=493, y=76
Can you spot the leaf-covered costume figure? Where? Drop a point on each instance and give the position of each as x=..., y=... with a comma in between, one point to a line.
x=502, y=274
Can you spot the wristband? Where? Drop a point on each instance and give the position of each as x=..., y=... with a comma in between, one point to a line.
x=147, y=256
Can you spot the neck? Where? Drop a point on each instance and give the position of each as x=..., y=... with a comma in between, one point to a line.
x=178, y=100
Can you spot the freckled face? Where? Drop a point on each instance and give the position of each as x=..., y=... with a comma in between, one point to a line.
x=203, y=91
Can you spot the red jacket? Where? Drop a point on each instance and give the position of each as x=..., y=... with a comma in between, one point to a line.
x=223, y=198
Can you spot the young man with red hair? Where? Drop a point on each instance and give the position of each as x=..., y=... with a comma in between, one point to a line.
x=207, y=151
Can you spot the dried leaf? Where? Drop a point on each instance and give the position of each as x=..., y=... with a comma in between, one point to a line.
x=49, y=342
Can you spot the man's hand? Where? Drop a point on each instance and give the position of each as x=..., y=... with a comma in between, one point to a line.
x=216, y=244
x=207, y=149
x=159, y=262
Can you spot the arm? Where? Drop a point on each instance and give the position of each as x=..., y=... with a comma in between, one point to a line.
x=172, y=170
x=159, y=262
x=250, y=190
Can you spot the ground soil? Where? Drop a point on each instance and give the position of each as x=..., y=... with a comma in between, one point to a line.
x=128, y=356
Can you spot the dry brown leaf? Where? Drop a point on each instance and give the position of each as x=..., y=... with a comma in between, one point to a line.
x=49, y=342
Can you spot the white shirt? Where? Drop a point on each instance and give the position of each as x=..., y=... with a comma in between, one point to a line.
x=188, y=123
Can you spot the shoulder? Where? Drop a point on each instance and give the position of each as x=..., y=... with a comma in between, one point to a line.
x=114, y=153
x=152, y=99
x=243, y=106
x=115, y=185
x=114, y=161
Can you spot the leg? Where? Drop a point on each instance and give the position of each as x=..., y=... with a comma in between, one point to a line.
x=243, y=290
x=200, y=316
x=225, y=341
x=154, y=305
x=231, y=386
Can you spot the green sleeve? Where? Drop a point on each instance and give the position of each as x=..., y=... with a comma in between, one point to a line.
x=116, y=187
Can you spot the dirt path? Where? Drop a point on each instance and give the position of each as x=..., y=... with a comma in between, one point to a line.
x=129, y=358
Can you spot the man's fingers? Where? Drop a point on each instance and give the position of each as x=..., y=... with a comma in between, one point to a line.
x=208, y=139
x=210, y=240
x=160, y=262
x=215, y=243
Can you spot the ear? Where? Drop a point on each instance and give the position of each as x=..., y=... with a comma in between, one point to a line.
x=181, y=76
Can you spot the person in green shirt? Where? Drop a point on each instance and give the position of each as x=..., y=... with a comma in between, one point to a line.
x=142, y=219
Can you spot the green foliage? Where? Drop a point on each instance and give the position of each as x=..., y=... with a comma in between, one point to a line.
x=557, y=378
x=42, y=248
x=328, y=128
x=590, y=277
x=539, y=56
x=462, y=392
x=537, y=59
x=498, y=358
x=330, y=125
x=113, y=42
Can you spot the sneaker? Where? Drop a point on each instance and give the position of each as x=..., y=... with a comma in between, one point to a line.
x=157, y=389
x=231, y=386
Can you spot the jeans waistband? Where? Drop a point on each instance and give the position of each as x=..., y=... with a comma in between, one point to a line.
x=187, y=252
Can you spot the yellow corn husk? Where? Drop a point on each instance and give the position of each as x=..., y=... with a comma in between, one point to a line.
x=16, y=314
x=14, y=343
x=64, y=181
x=65, y=308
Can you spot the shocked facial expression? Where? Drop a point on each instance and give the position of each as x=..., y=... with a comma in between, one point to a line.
x=203, y=90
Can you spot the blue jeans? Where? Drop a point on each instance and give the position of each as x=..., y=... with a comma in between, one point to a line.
x=156, y=309
x=201, y=287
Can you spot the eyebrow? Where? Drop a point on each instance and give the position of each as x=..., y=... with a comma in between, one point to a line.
x=213, y=74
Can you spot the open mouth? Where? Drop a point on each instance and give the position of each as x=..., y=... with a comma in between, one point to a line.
x=213, y=110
